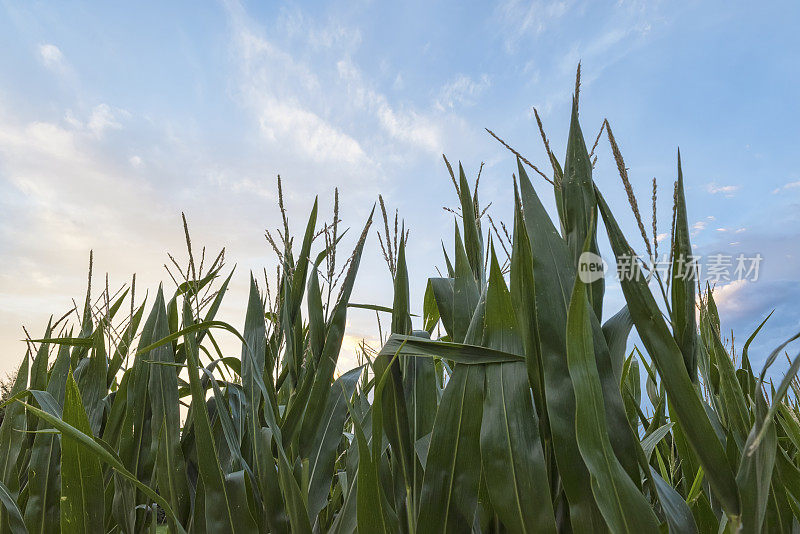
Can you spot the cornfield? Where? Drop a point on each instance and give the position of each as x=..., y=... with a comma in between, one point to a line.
x=507, y=406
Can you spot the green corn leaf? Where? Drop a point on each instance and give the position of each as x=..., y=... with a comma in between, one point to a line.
x=370, y=514
x=299, y=275
x=253, y=365
x=291, y=322
x=170, y=465
x=759, y=455
x=430, y=311
x=679, y=516
x=373, y=307
x=616, y=331
x=790, y=475
x=81, y=477
x=221, y=513
x=472, y=236
x=323, y=451
x=623, y=506
x=523, y=297
x=755, y=470
x=347, y=520
x=683, y=283
x=632, y=392
x=421, y=395
x=466, y=292
x=91, y=376
x=443, y=292
x=135, y=440
x=275, y=509
x=38, y=379
x=316, y=319
x=122, y=350
x=87, y=443
x=333, y=343
x=393, y=407
x=11, y=512
x=296, y=406
x=236, y=486
x=12, y=439
x=691, y=416
x=514, y=468
x=650, y=441
x=118, y=399
x=452, y=469
x=552, y=286
x=458, y=352
x=578, y=201
x=745, y=350
x=44, y=478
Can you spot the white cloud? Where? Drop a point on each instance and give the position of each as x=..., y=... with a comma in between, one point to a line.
x=729, y=297
x=71, y=183
x=520, y=18
x=104, y=118
x=101, y=119
x=408, y=126
x=790, y=185
x=727, y=190
x=701, y=225
x=308, y=132
x=281, y=91
x=411, y=127
x=462, y=91
x=52, y=57
x=334, y=115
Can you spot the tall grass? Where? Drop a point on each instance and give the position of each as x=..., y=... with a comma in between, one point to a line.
x=507, y=406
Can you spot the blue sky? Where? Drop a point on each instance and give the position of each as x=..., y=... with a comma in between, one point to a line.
x=113, y=121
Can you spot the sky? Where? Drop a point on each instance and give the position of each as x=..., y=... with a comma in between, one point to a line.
x=114, y=120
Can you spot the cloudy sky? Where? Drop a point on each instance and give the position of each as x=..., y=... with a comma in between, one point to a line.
x=114, y=121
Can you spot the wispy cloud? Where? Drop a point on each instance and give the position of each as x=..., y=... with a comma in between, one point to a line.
x=523, y=17
x=784, y=187
x=407, y=125
x=70, y=190
x=701, y=225
x=52, y=58
x=103, y=118
x=276, y=99
x=728, y=191
x=332, y=115
x=462, y=91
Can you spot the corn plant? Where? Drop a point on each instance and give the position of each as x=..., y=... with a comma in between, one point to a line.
x=510, y=406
